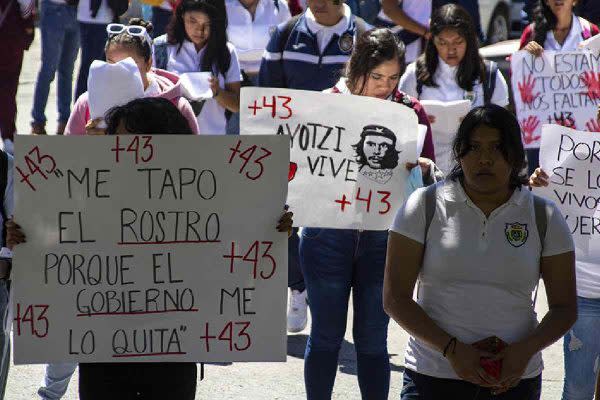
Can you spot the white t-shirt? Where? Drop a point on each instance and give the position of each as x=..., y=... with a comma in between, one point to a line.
x=211, y=119
x=420, y=11
x=250, y=37
x=448, y=90
x=105, y=14
x=325, y=33
x=474, y=283
x=573, y=38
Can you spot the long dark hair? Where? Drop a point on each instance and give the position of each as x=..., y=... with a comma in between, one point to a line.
x=216, y=53
x=544, y=21
x=134, y=43
x=511, y=146
x=373, y=48
x=471, y=68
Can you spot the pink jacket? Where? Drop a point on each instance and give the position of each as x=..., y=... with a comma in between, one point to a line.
x=170, y=90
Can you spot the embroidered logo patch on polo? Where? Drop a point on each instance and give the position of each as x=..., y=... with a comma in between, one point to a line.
x=346, y=42
x=516, y=234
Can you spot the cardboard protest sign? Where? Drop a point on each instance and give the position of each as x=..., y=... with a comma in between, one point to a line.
x=348, y=153
x=572, y=160
x=150, y=248
x=560, y=88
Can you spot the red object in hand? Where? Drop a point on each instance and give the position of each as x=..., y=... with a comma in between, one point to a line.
x=494, y=345
x=292, y=171
x=492, y=367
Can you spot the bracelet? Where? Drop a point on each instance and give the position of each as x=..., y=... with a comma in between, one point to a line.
x=450, y=342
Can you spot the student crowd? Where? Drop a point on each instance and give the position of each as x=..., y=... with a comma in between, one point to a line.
x=474, y=331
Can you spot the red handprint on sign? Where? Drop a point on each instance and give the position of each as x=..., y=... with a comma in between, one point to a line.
x=529, y=127
x=593, y=125
x=292, y=171
x=592, y=81
x=526, y=90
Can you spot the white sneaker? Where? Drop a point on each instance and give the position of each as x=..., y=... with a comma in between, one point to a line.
x=297, y=311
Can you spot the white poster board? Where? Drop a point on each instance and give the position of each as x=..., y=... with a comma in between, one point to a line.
x=150, y=248
x=572, y=160
x=447, y=118
x=341, y=174
x=560, y=88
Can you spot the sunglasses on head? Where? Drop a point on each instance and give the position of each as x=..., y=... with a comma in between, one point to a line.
x=132, y=30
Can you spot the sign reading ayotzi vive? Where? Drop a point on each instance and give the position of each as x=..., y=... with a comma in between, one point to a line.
x=150, y=248
x=347, y=153
x=561, y=88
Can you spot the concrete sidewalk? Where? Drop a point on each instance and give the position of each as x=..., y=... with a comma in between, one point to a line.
x=251, y=381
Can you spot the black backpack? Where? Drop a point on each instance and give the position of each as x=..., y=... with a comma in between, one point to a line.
x=489, y=83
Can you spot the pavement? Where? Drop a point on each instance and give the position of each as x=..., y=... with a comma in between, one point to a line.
x=252, y=381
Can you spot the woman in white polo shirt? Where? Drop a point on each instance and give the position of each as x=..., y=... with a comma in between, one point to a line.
x=477, y=244
x=451, y=69
x=196, y=41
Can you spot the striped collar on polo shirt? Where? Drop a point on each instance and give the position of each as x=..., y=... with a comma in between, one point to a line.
x=454, y=192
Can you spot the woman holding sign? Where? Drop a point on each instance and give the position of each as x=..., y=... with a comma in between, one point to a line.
x=556, y=28
x=452, y=70
x=477, y=244
x=159, y=380
x=336, y=261
x=196, y=41
x=581, y=345
x=132, y=41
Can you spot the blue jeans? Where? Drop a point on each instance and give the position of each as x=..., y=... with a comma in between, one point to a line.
x=4, y=335
x=335, y=261
x=60, y=44
x=56, y=381
x=582, y=352
x=93, y=40
x=160, y=20
x=423, y=387
x=295, y=278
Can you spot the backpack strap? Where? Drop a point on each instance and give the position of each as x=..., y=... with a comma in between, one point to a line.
x=540, y=208
x=430, y=206
x=489, y=84
x=586, y=27
x=287, y=31
x=419, y=88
